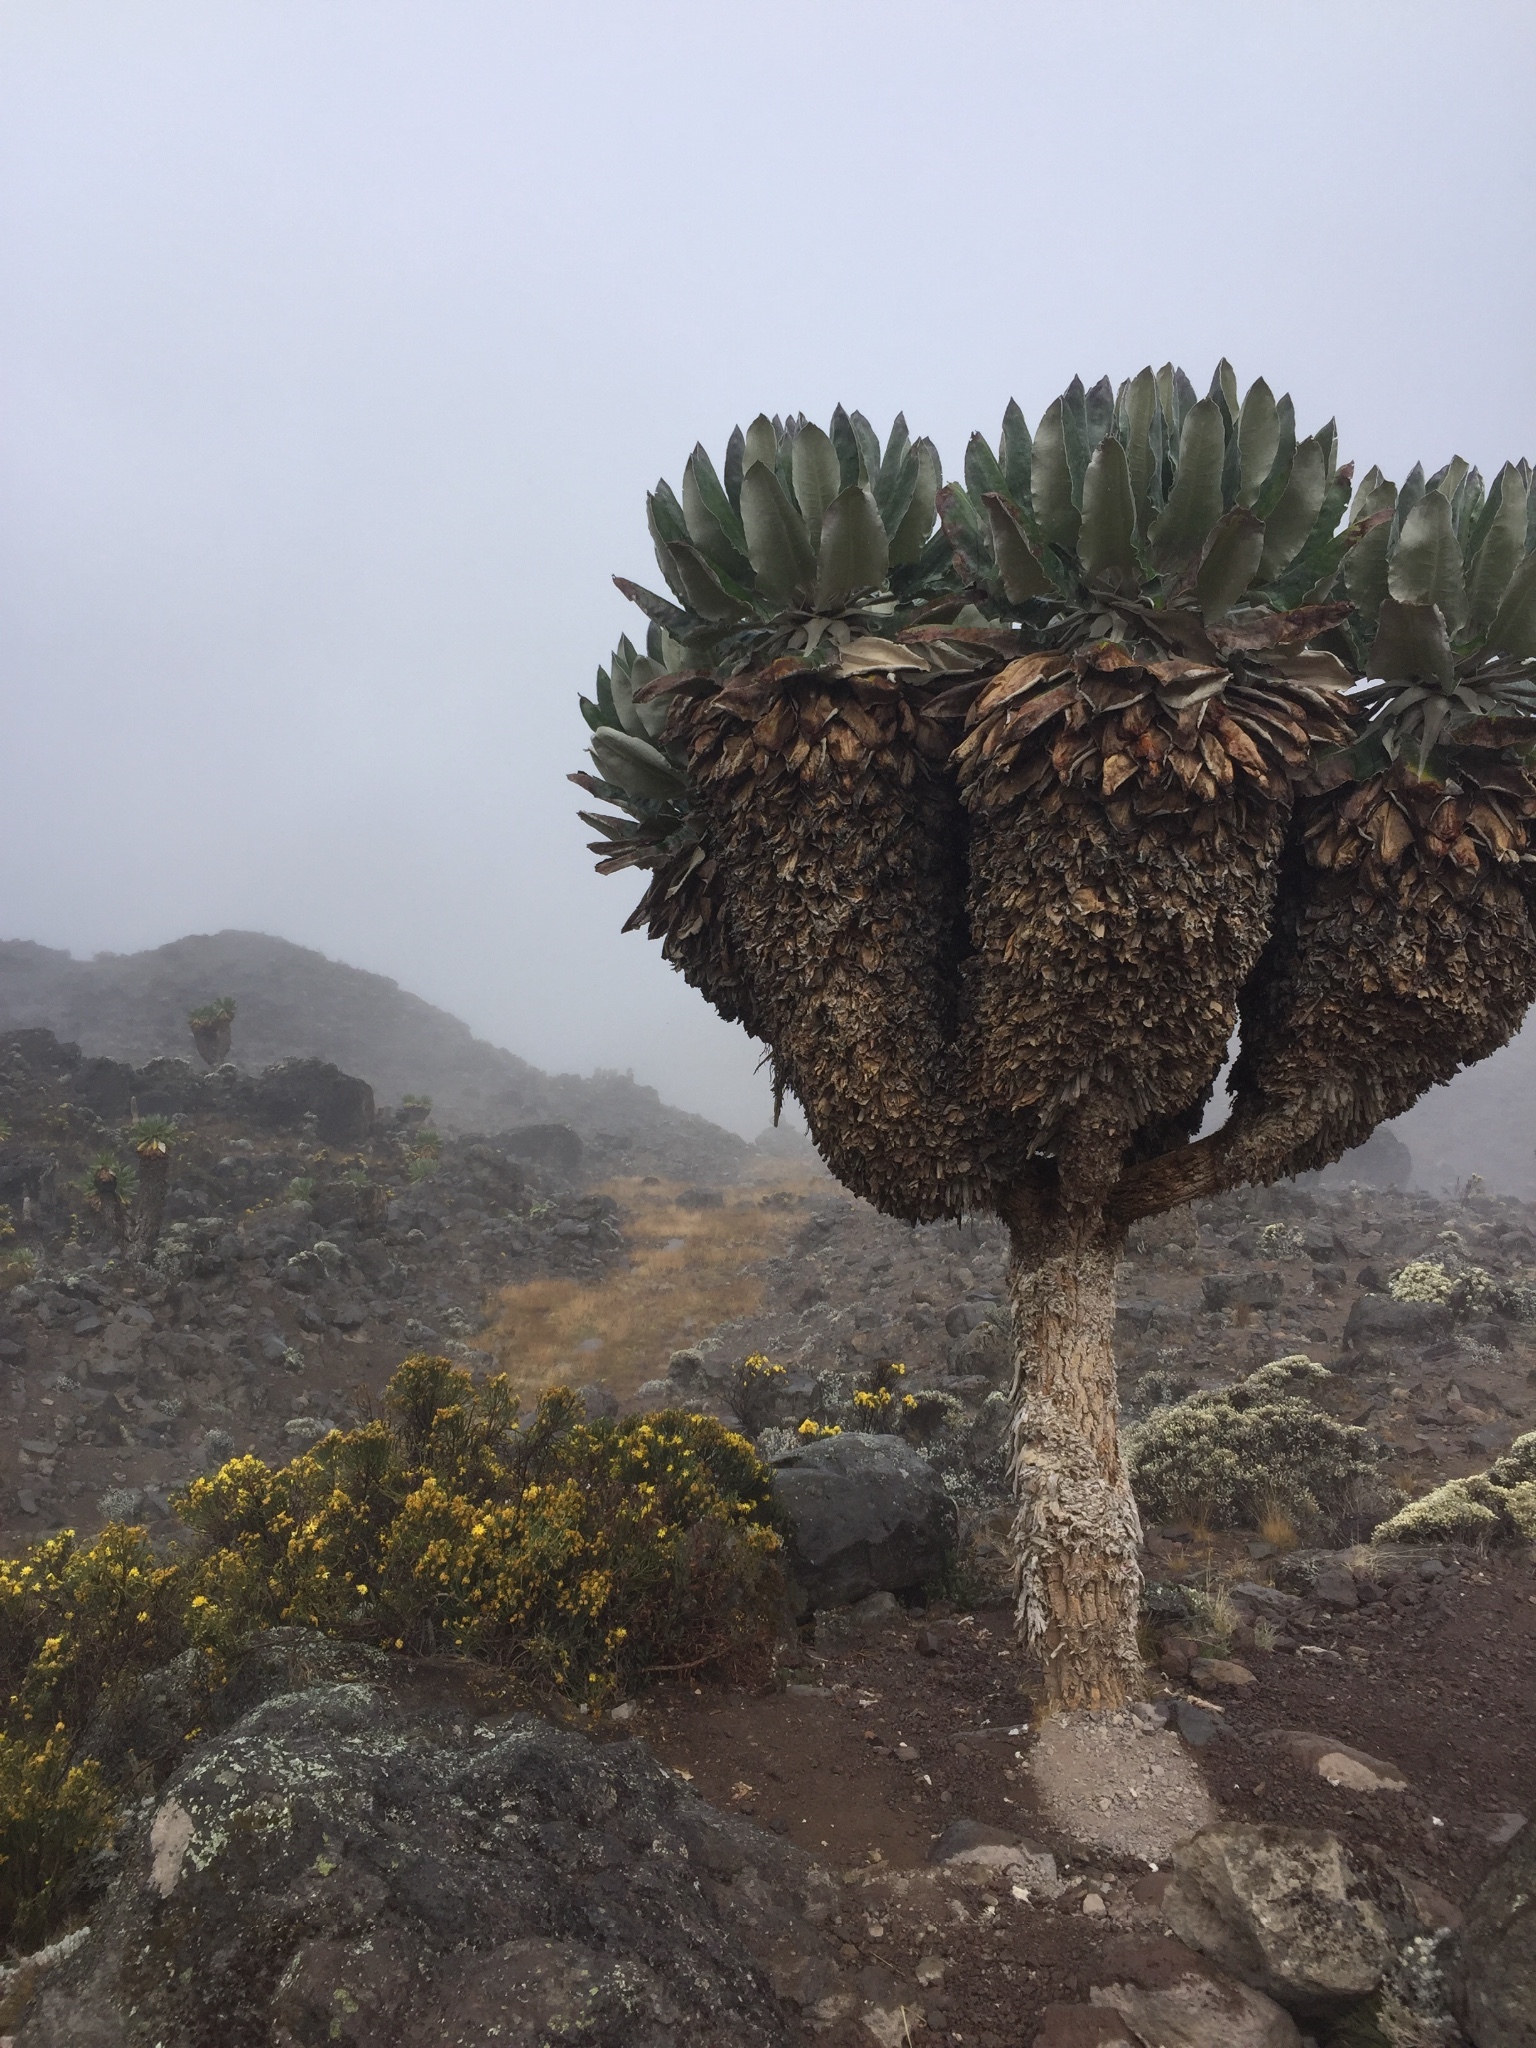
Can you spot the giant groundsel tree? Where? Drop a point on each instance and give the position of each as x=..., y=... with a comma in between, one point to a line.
x=994, y=807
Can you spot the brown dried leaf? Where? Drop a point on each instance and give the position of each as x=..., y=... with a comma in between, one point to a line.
x=1118, y=768
x=1278, y=629
x=1014, y=680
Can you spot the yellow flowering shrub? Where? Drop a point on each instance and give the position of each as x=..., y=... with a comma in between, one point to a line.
x=584, y=1555
x=53, y=1813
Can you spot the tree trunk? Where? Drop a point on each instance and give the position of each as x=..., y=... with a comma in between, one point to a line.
x=149, y=1209
x=1077, y=1532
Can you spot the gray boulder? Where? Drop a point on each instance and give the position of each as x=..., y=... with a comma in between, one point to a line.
x=1378, y=1323
x=1287, y=1911
x=865, y=1514
x=1498, y=1947
x=341, y=1104
x=380, y=1859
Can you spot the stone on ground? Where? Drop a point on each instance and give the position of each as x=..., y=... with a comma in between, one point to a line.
x=352, y=1864
x=867, y=1514
x=1498, y=1947
x=1338, y=1764
x=1173, y=1999
x=1287, y=1911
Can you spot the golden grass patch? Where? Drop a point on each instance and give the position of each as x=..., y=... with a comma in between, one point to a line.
x=688, y=1270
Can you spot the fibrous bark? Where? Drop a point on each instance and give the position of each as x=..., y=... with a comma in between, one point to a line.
x=212, y=1040
x=1402, y=951
x=1077, y=1532
x=149, y=1208
x=839, y=842
x=1124, y=856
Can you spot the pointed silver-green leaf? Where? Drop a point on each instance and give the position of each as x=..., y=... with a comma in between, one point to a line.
x=1287, y=527
x=817, y=476
x=1449, y=478
x=894, y=491
x=1056, y=514
x=1258, y=440
x=621, y=688
x=1013, y=452
x=1230, y=563
x=648, y=719
x=1411, y=645
x=1105, y=540
x=1140, y=454
x=606, y=707
x=1365, y=570
x=917, y=522
x=1017, y=563
x=1513, y=628
x=1074, y=434
x=1224, y=390
x=636, y=767
x=854, y=553
x=666, y=562
x=1502, y=543
x=762, y=444
x=710, y=517
x=1425, y=566
x=867, y=441
x=1374, y=494
x=895, y=449
x=1098, y=413
x=982, y=471
x=846, y=444
x=1408, y=497
x=1466, y=507
x=1194, y=504
x=781, y=556
x=664, y=515
x=735, y=453
x=701, y=586
x=1273, y=487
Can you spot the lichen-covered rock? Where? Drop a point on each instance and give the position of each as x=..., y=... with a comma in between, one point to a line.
x=1289, y=1912
x=1498, y=1949
x=355, y=1863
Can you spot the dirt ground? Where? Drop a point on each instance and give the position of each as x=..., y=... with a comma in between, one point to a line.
x=870, y=1750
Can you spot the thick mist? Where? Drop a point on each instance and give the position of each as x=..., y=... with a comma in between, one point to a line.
x=341, y=343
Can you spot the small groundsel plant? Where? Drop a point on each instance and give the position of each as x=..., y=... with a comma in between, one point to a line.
x=1281, y=1241
x=1233, y=1457
x=583, y=1558
x=1493, y=1507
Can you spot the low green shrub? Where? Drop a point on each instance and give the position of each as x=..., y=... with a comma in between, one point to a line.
x=1229, y=1458
x=582, y=1557
x=1492, y=1507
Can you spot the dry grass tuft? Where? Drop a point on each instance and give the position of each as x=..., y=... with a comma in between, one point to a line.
x=1275, y=1526
x=689, y=1269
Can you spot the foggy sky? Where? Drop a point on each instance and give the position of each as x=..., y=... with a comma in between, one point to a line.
x=339, y=344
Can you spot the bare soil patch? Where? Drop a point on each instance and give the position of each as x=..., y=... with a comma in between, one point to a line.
x=866, y=1769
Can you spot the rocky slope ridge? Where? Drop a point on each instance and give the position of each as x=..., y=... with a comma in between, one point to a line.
x=293, y=1002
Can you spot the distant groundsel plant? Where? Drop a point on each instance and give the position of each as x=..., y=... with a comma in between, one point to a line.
x=994, y=806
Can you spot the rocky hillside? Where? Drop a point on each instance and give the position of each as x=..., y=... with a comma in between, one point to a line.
x=295, y=1003
x=310, y=1242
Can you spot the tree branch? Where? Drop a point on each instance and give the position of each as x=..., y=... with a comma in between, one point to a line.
x=1255, y=1146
